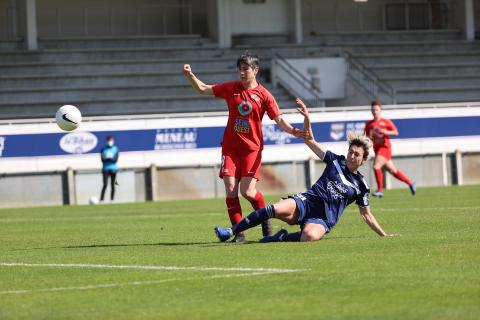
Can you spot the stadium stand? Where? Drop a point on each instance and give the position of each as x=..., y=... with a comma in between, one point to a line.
x=128, y=75
x=140, y=74
x=421, y=66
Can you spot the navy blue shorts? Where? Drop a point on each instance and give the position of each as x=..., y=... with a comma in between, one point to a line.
x=311, y=209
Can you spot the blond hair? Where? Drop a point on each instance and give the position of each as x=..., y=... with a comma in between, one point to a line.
x=360, y=140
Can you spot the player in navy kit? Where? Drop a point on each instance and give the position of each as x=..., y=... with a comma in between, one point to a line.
x=318, y=209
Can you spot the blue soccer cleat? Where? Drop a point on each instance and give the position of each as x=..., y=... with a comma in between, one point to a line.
x=223, y=234
x=277, y=237
x=378, y=194
x=413, y=190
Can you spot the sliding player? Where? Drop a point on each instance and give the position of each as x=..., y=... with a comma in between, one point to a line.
x=242, y=143
x=379, y=129
x=318, y=209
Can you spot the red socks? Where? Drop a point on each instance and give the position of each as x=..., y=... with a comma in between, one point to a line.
x=400, y=176
x=379, y=178
x=258, y=202
x=234, y=210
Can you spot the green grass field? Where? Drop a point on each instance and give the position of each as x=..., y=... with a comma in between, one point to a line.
x=162, y=261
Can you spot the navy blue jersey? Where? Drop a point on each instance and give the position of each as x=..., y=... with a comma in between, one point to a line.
x=337, y=188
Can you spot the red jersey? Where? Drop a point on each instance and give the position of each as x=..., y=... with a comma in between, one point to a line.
x=372, y=128
x=246, y=108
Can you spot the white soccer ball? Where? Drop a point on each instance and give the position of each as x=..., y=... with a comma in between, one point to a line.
x=68, y=117
x=93, y=200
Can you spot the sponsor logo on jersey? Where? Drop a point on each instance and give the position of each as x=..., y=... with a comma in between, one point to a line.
x=245, y=108
x=178, y=138
x=78, y=142
x=241, y=125
x=277, y=136
x=255, y=97
x=2, y=145
x=336, y=189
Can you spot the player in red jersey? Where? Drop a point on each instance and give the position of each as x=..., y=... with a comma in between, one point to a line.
x=242, y=142
x=379, y=130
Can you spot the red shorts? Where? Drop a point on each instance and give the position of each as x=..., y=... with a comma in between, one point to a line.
x=240, y=163
x=384, y=152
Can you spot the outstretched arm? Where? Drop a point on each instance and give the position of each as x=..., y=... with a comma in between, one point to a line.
x=288, y=128
x=309, y=140
x=196, y=83
x=372, y=222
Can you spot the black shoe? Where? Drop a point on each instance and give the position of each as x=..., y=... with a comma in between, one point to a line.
x=413, y=190
x=267, y=228
x=277, y=237
x=239, y=238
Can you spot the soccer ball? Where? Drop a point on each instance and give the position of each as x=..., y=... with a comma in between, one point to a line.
x=93, y=200
x=68, y=117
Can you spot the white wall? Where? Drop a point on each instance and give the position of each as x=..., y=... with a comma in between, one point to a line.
x=211, y=156
x=268, y=17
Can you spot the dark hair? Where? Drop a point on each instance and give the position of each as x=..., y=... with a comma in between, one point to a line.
x=109, y=138
x=249, y=59
x=377, y=102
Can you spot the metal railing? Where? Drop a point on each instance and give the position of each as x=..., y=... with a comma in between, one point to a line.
x=182, y=18
x=296, y=80
x=367, y=80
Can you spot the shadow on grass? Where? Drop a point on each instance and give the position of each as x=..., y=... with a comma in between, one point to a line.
x=126, y=245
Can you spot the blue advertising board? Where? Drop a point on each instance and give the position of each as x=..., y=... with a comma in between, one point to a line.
x=50, y=144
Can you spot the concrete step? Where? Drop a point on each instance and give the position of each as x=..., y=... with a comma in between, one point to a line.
x=433, y=81
x=119, y=105
x=112, y=79
x=418, y=58
x=41, y=95
x=383, y=35
x=439, y=94
x=426, y=69
x=54, y=55
x=450, y=46
x=112, y=66
x=11, y=44
x=122, y=41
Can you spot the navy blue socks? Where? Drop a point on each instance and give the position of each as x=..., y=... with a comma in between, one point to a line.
x=292, y=237
x=254, y=219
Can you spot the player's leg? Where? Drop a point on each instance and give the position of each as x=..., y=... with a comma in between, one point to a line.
x=113, y=179
x=397, y=173
x=312, y=232
x=251, y=164
x=285, y=210
x=251, y=193
x=378, y=163
x=308, y=215
x=231, y=200
x=105, y=182
x=228, y=173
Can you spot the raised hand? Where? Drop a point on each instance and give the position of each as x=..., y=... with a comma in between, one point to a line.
x=302, y=108
x=187, y=70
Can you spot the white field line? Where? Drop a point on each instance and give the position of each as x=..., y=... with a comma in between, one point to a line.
x=134, y=283
x=139, y=267
x=248, y=272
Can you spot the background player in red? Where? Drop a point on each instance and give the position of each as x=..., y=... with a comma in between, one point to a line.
x=378, y=130
x=242, y=142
